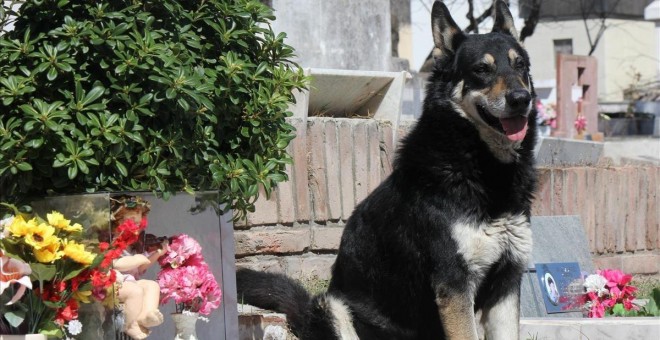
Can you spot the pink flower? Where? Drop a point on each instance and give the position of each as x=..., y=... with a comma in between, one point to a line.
x=14, y=271
x=182, y=248
x=580, y=123
x=187, y=279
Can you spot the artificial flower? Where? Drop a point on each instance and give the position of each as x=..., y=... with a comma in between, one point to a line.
x=14, y=271
x=186, y=279
x=74, y=327
x=58, y=221
x=77, y=252
x=19, y=227
x=595, y=283
x=41, y=236
x=49, y=252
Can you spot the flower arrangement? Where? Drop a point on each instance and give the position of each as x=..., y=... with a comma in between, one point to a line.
x=48, y=270
x=580, y=124
x=187, y=279
x=608, y=292
x=547, y=115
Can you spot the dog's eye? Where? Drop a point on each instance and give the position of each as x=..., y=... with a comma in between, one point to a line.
x=519, y=64
x=481, y=68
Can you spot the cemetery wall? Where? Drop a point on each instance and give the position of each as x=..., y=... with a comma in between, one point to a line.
x=337, y=162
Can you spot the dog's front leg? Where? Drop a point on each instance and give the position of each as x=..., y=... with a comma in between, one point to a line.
x=457, y=314
x=501, y=320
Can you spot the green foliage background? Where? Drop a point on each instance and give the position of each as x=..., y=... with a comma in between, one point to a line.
x=161, y=95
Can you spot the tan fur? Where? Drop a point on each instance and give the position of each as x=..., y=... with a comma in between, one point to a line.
x=457, y=315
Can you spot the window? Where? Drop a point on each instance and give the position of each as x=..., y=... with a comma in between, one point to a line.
x=563, y=46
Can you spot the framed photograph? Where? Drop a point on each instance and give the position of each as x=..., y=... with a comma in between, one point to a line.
x=559, y=283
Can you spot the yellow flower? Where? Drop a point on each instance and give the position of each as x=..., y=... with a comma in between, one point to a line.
x=82, y=296
x=57, y=220
x=77, y=252
x=41, y=236
x=19, y=227
x=49, y=252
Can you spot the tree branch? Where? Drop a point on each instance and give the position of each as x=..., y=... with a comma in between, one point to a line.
x=474, y=25
x=531, y=21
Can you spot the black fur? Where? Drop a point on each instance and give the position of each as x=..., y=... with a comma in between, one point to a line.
x=397, y=255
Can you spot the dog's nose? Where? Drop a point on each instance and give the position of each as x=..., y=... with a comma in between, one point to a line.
x=518, y=99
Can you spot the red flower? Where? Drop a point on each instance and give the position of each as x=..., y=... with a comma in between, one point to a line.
x=68, y=313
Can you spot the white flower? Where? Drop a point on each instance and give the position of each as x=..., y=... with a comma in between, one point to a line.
x=74, y=327
x=596, y=283
x=4, y=232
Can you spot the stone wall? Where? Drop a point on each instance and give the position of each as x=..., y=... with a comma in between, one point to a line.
x=337, y=162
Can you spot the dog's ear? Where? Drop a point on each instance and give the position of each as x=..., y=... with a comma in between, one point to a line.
x=504, y=20
x=445, y=31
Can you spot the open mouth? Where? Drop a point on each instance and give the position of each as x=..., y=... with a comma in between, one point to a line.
x=515, y=128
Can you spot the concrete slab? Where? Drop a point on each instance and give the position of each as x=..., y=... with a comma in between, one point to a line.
x=552, y=151
x=590, y=329
x=556, y=239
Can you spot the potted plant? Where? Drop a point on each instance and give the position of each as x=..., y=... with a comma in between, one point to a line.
x=162, y=96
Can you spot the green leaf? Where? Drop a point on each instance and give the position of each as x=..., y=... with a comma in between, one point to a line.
x=121, y=168
x=42, y=272
x=52, y=74
x=15, y=317
x=23, y=166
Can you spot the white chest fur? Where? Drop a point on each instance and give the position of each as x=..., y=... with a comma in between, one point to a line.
x=484, y=244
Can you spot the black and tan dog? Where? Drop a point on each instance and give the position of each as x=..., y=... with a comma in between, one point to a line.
x=447, y=233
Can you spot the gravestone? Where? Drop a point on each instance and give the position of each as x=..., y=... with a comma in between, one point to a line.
x=556, y=239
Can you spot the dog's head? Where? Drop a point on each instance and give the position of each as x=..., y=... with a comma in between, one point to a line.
x=489, y=73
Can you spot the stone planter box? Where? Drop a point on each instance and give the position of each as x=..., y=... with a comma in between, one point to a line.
x=181, y=214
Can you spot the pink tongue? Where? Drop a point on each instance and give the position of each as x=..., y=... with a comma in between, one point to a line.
x=515, y=128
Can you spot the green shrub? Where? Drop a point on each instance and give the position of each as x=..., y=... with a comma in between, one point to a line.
x=161, y=96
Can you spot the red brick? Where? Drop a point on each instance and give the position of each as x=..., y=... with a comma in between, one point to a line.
x=570, y=192
x=608, y=262
x=630, y=194
x=309, y=266
x=387, y=151
x=265, y=209
x=361, y=161
x=640, y=191
x=286, y=200
x=272, y=241
x=600, y=201
x=261, y=263
x=541, y=206
x=347, y=180
x=317, y=180
x=621, y=209
x=590, y=207
x=653, y=204
x=612, y=210
x=332, y=169
x=640, y=264
x=374, y=155
x=558, y=190
x=299, y=171
x=326, y=238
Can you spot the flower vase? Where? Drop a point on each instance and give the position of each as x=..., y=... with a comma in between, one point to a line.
x=184, y=325
x=24, y=337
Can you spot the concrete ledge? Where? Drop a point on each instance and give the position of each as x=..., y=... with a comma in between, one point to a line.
x=258, y=324
x=590, y=329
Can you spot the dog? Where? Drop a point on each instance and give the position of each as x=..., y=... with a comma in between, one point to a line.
x=448, y=233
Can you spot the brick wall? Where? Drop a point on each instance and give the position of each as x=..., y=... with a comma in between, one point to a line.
x=337, y=162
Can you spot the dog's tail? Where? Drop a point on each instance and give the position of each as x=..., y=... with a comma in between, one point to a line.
x=275, y=292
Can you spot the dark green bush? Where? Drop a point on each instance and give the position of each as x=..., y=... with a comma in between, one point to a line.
x=158, y=95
